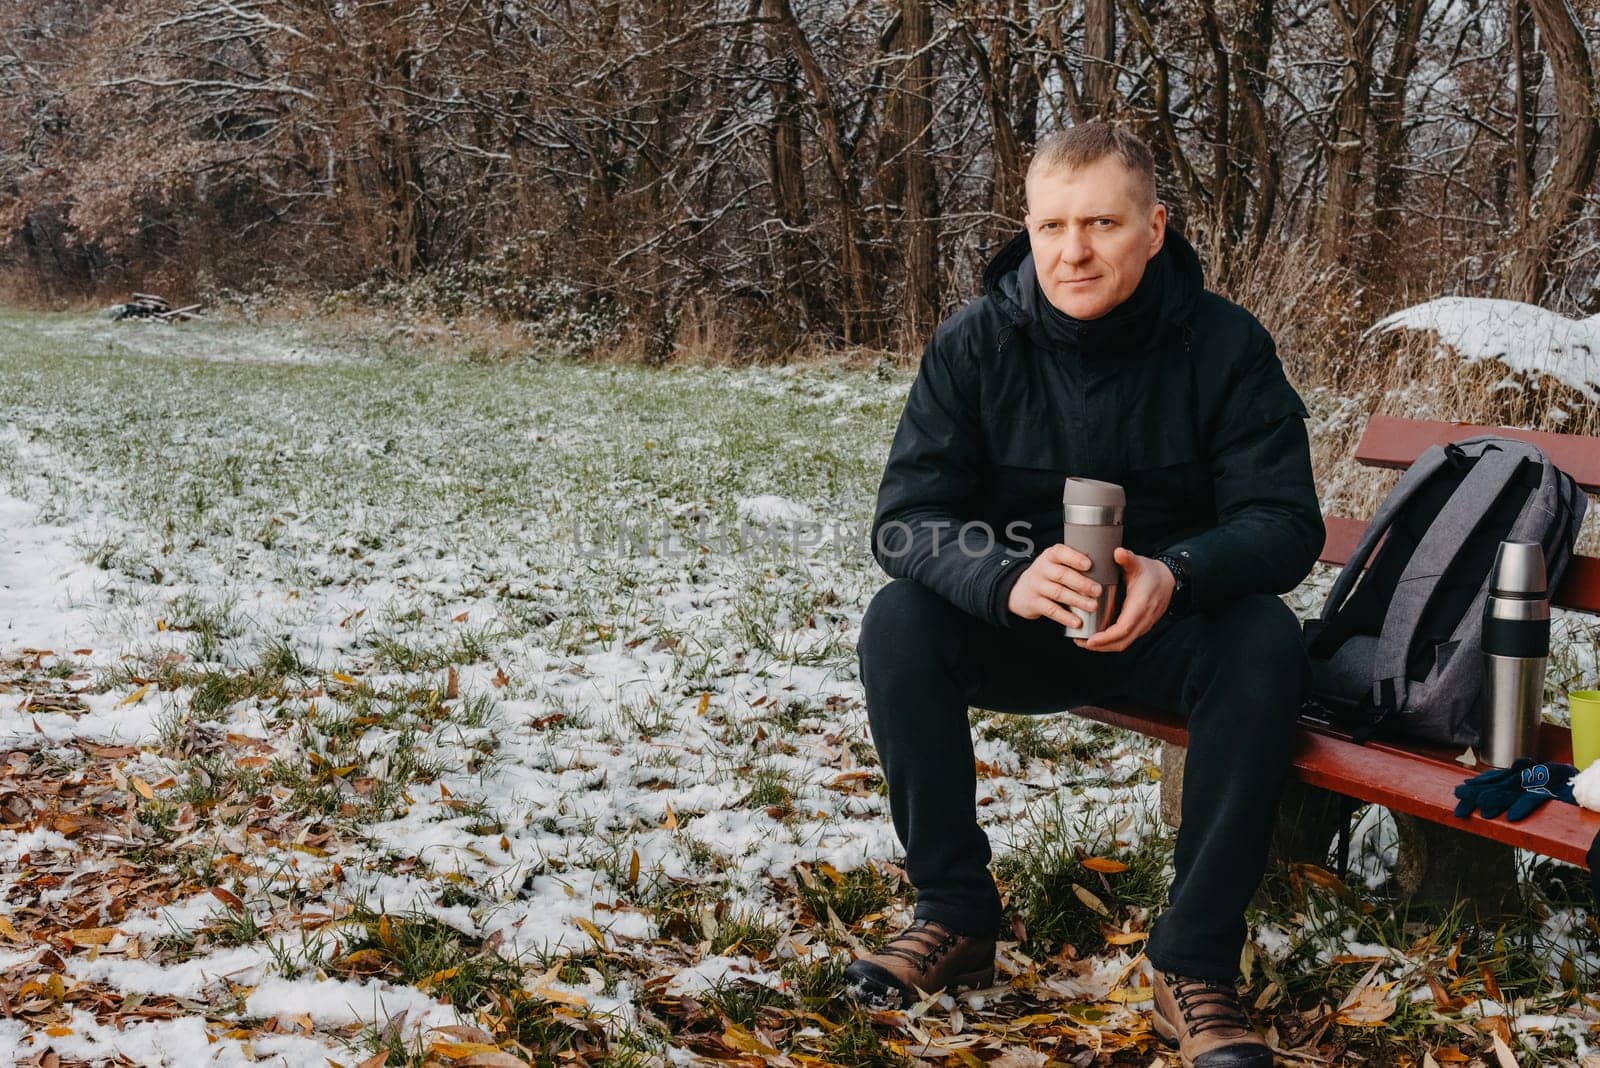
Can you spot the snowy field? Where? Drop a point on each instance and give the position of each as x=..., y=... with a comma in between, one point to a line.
x=363, y=707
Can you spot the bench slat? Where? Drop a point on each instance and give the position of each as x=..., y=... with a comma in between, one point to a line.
x=1579, y=588
x=1393, y=442
x=1407, y=780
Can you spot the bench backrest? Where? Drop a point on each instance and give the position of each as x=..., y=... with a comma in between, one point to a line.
x=1396, y=443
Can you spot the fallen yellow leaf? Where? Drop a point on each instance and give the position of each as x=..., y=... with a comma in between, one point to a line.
x=457, y=1051
x=592, y=931
x=135, y=697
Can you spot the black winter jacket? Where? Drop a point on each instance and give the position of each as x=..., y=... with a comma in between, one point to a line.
x=1178, y=395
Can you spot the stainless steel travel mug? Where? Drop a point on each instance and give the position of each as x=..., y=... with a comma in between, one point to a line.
x=1516, y=646
x=1092, y=514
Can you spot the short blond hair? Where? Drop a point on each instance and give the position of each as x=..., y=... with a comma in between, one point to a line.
x=1079, y=146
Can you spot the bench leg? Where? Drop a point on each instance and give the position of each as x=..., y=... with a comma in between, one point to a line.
x=1439, y=865
x=1172, y=784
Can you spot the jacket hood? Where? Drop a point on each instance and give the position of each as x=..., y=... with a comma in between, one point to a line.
x=1171, y=287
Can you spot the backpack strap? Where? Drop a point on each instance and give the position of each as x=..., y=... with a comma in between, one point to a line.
x=1433, y=459
x=1495, y=470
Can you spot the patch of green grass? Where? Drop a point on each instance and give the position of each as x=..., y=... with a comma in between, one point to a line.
x=850, y=895
x=421, y=949
x=234, y=927
x=468, y=646
x=752, y=932
x=856, y=1043
x=744, y=1001
x=772, y=787
x=816, y=985
x=1056, y=895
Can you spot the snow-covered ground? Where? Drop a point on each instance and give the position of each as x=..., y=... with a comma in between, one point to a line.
x=327, y=660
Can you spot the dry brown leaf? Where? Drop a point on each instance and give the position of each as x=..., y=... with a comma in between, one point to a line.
x=228, y=898
x=90, y=936
x=1090, y=900
x=1105, y=865
x=465, y=1033
x=1503, y=1054
x=1371, y=1006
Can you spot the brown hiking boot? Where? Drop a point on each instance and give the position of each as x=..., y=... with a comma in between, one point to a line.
x=926, y=956
x=1206, y=1019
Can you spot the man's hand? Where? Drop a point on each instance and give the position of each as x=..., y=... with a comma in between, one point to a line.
x=1146, y=591
x=1054, y=582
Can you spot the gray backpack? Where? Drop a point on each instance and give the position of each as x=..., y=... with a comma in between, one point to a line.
x=1397, y=649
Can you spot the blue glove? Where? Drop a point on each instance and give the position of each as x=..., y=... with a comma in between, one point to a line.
x=1517, y=791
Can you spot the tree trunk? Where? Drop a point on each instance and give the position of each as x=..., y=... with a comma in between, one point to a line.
x=786, y=169
x=861, y=302
x=913, y=114
x=1099, y=52
x=1388, y=116
x=1251, y=54
x=1527, y=76
x=1358, y=24
x=1540, y=244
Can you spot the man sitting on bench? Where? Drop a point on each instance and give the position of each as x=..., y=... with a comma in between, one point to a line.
x=1095, y=352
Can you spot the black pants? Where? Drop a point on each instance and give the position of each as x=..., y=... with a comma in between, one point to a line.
x=1238, y=674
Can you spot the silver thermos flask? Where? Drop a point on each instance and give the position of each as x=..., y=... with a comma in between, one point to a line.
x=1092, y=514
x=1516, y=645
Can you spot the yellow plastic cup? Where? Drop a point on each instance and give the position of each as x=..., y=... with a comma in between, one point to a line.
x=1585, y=705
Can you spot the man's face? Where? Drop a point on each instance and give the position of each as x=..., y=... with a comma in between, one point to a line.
x=1091, y=235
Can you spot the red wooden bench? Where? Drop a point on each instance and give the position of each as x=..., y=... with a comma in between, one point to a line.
x=1414, y=780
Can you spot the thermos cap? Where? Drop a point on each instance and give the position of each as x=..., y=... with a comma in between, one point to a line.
x=1092, y=492
x=1519, y=570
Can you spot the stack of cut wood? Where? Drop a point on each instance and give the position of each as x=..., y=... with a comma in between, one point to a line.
x=150, y=306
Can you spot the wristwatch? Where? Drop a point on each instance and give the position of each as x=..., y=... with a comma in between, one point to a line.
x=1178, y=607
